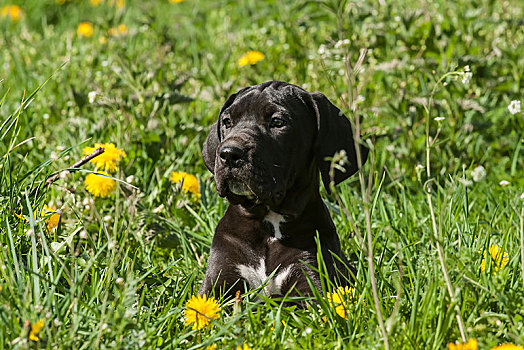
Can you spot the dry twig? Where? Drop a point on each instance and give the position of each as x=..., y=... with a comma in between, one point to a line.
x=73, y=167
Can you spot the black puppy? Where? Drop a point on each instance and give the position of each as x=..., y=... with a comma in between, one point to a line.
x=265, y=151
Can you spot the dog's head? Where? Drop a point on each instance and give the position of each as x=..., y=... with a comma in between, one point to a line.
x=271, y=140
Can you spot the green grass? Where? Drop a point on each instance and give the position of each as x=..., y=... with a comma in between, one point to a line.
x=117, y=271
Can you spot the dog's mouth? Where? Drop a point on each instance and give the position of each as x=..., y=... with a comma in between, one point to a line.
x=248, y=188
x=239, y=188
x=238, y=192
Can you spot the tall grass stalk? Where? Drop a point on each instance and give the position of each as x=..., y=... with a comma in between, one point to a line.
x=427, y=188
x=522, y=241
x=353, y=92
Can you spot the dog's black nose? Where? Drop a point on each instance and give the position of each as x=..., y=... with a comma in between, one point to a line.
x=231, y=155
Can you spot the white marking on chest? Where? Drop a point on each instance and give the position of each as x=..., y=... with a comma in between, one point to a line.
x=275, y=220
x=257, y=276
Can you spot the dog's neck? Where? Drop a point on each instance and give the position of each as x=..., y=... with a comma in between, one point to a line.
x=301, y=202
x=302, y=224
x=301, y=208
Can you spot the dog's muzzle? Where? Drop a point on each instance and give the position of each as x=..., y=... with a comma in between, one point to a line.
x=231, y=156
x=243, y=178
x=232, y=174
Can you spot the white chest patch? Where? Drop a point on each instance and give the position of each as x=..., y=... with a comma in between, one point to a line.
x=275, y=220
x=257, y=276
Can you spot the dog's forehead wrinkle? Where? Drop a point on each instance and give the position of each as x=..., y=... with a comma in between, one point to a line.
x=259, y=102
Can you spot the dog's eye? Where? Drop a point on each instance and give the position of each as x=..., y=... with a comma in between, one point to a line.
x=227, y=122
x=277, y=122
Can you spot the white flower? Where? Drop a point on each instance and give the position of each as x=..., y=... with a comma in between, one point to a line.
x=522, y=196
x=341, y=43
x=465, y=182
x=309, y=330
x=504, y=183
x=83, y=234
x=466, y=75
x=514, y=107
x=466, y=78
x=439, y=119
x=478, y=173
x=91, y=96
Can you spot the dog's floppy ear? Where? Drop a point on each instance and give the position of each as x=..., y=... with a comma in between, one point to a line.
x=334, y=134
x=209, y=151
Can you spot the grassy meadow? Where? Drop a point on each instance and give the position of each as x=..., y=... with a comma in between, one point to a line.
x=434, y=86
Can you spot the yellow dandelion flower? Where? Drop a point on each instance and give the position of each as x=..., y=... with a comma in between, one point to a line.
x=61, y=2
x=508, y=347
x=122, y=28
x=176, y=2
x=470, y=345
x=99, y=186
x=102, y=40
x=85, y=29
x=117, y=3
x=118, y=31
x=189, y=182
x=243, y=347
x=250, y=58
x=340, y=300
x=13, y=12
x=53, y=217
x=51, y=214
x=211, y=347
x=499, y=259
x=200, y=311
x=19, y=216
x=107, y=161
x=35, y=329
x=95, y=3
